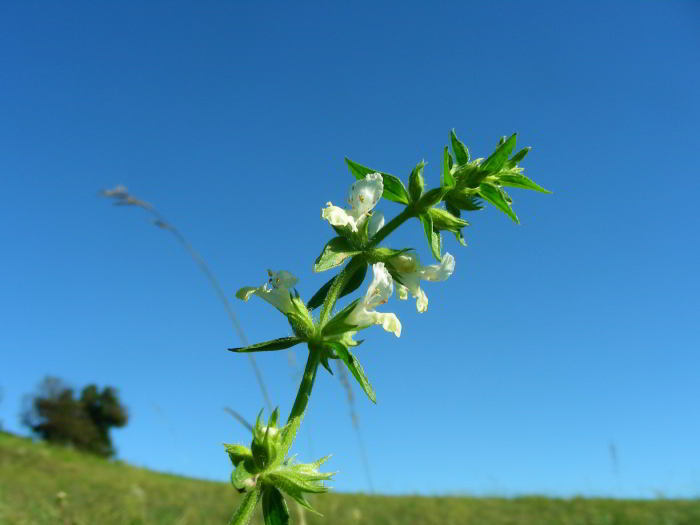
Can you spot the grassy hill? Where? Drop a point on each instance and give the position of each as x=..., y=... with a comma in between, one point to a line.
x=42, y=484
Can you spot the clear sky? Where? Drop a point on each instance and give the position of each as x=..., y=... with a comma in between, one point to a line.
x=554, y=341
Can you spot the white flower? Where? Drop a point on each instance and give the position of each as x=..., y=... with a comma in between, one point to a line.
x=275, y=291
x=410, y=272
x=376, y=223
x=378, y=293
x=363, y=197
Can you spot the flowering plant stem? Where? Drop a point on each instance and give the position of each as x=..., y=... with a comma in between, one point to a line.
x=303, y=395
x=389, y=227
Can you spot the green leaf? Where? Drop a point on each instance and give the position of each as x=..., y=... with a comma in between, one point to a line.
x=459, y=149
x=337, y=324
x=496, y=197
x=275, y=511
x=394, y=190
x=416, y=182
x=353, y=284
x=518, y=157
x=432, y=237
x=245, y=510
x=447, y=179
x=275, y=344
x=516, y=180
x=499, y=157
x=355, y=369
x=334, y=253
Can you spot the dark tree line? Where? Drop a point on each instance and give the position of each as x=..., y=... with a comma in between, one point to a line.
x=55, y=414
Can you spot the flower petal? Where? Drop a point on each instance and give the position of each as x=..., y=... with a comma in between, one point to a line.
x=337, y=216
x=440, y=272
x=381, y=288
x=376, y=223
x=281, y=279
x=365, y=194
x=245, y=292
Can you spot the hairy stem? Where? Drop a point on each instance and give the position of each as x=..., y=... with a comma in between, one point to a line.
x=245, y=510
x=389, y=227
x=302, y=399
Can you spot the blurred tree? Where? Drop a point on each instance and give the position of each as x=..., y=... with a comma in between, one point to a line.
x=55, y=415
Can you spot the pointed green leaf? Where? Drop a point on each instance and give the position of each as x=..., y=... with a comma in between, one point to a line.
x=394, y=190
x=334, y=253
x=337, y=324
x=518, y=157
x=516, y=180
x=499, y=157
x=275, y=511
x=355, y=369
x=496, y=197
x=275, y=344
x=353, y=284
x=416, y=182
x=433, y=238
x=459, y=149
x=447, y=179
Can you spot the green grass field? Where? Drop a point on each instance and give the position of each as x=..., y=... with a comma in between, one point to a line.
x=42, y=484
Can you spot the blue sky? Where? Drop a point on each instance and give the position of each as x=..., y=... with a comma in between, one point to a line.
x=553, y=340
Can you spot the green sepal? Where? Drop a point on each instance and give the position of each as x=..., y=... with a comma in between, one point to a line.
x=498, y=198
x=337, y=324
x=430, y=234
x=245, y=510
x=470, y=175
x=297, y=479
x=238, y=453
x=355, y=368
x=416, y=182
x=463, y=199
x=300, y=319
x=275, y=511
x=242, y=477
x=448, y=181
x=518, y=157
x=431, y=198
x=459, y=149
x=394, y=190
x=444, y=220
x=274, y=417
x=274, y=344
x=334, y=253
x=517, y=180
x=498, y=158
x=325, y=363
x=354, y=282
x=383, y=254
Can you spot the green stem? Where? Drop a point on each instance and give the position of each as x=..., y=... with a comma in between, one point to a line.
x=337, y=286
x=389, y=227
x=302, y=399
x=245, y=510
